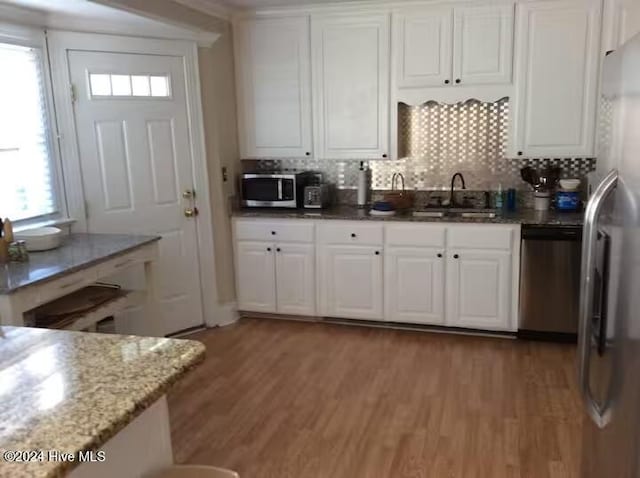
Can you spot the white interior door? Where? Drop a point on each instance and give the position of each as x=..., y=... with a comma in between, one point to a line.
x=135, y=154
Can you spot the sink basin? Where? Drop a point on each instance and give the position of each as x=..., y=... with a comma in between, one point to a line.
x=487, y=214
x=459, y=212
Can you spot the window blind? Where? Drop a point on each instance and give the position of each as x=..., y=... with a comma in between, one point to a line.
x=27, y=176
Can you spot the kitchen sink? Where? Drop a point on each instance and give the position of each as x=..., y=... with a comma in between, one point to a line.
x=455, y=212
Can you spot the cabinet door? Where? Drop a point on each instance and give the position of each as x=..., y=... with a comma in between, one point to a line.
x=555, y=106
x=479, y=289
x=423, y=47
x=295, y=279
x=351, y=86
x=255, y=276
x=352, y=282
x=483, y=45
x=274, y=87
x=414, y=285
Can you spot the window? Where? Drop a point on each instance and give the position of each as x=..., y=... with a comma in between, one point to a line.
x=106, y=84
x=28, y=188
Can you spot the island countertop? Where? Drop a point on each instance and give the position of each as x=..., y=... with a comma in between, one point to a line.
x=78, y=251
x=73, y=391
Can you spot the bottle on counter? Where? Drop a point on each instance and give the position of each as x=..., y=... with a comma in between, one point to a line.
x=362, y=186
x=499, y=200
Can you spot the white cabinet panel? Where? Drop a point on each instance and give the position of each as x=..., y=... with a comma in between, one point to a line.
x=483, y=45
x=479, y=289
x=295, y=279
x=555, y=105
x=274, y=87
x=255, y=276
x=423, y=46
x=352, y=282
x=350, y=62
x=414, y=285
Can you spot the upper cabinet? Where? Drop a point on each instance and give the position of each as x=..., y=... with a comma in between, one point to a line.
x=447, y=46
x=423, y=46
x=557, y=78
x=483, y=45
x=350, y=65
x=274, y=87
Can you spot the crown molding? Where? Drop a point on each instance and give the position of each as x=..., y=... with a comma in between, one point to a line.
x=210, y=7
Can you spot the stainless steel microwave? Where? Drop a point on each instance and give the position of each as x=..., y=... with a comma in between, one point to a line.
x=274, y=189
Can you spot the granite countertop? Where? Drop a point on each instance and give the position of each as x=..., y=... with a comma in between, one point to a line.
x=77, y=252
x=523, y=216
x=73, y=391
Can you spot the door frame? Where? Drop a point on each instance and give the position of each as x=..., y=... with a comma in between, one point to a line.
x=60, y=42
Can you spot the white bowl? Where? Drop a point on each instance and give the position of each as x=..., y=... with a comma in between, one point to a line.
x=569, y=184
x=41, y=238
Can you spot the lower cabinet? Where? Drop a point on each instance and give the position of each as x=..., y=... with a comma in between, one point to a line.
x=276, y=278
x=414, y=285
x=479, y=289
x=295, y=279
x=352, y=282
x=255, y=276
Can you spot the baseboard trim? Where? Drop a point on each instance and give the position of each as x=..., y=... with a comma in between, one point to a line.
x=438, y=329
x=227, y=315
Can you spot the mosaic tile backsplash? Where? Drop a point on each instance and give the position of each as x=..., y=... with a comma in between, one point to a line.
x=437, y=140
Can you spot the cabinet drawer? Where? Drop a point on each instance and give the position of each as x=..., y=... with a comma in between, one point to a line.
x=481, y=236
x=118, y=264
x=350, y=233
x=66, y=285
x=281, y=231
x=417, y=235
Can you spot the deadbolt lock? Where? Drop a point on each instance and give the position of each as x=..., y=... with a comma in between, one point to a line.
x=189, y=194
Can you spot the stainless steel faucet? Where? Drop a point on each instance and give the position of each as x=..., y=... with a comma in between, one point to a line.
x=452, y=201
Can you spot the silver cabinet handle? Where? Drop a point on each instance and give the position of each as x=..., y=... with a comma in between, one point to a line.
x=589, y=241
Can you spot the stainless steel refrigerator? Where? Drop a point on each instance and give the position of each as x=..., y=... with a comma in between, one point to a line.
x=609, y=345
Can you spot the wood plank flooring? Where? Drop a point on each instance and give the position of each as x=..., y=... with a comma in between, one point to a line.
x=289, y=399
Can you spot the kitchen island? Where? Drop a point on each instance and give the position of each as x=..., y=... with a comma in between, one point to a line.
x=81, y=261
x=65, y=394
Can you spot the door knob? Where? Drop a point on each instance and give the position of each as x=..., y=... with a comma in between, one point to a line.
x=191, y=212
x=189, y=193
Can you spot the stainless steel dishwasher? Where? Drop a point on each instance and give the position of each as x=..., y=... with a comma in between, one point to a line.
x=550, y=282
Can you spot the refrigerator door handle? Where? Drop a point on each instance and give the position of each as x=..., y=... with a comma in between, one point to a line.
x=587, y=283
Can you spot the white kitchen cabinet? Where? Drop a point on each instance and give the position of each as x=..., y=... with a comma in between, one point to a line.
x=255, y=276
x=414, y=285
x=621, y=21
x=483, y=45
x=423, y=46
x=447, y=46
x=479, y=289
x=274, y=87
x=295, y=279
x=350, y=65
x=352, y=281
x=557, y=78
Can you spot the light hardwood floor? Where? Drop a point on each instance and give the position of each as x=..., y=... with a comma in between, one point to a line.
x=280, y=399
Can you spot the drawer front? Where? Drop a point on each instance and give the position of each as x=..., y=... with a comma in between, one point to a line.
x=118, y=264
x=481, y=236
x=340, y=232
x=280, y=231
x=66, y=285
x=415, y=235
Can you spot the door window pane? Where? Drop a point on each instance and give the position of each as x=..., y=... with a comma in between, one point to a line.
x=140, y=85
x=100, y=84
x=121, y=85
x=159, y=86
